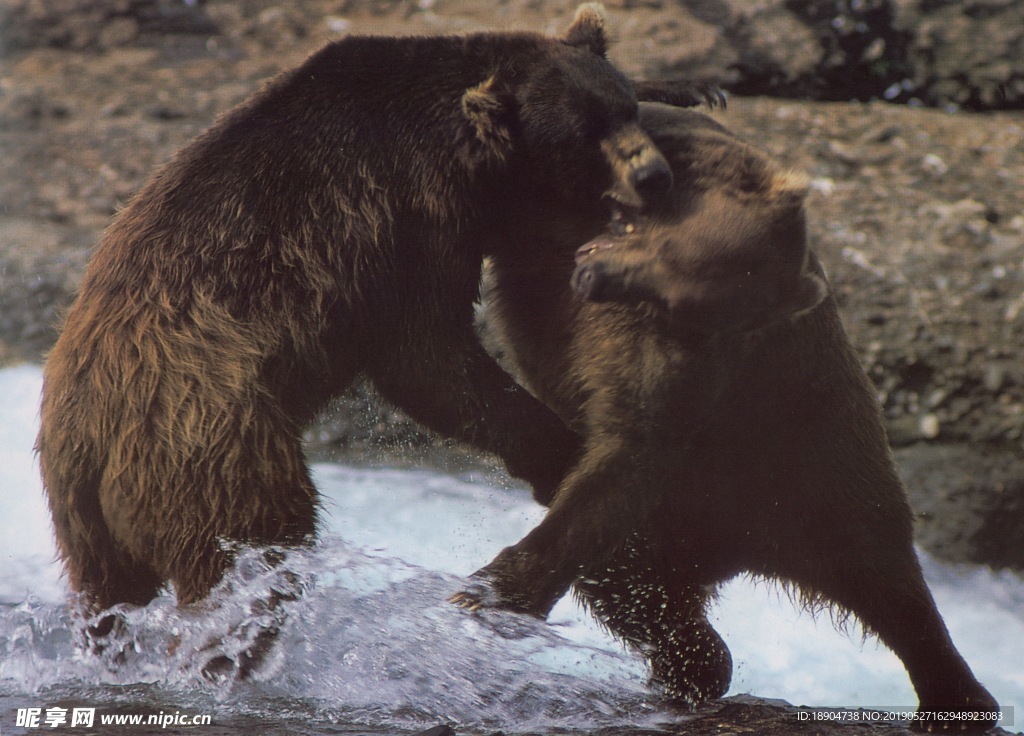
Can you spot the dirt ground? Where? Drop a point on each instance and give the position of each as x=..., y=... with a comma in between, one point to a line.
x=916, y=212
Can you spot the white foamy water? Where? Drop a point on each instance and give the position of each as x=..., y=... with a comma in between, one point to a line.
x=373, y=644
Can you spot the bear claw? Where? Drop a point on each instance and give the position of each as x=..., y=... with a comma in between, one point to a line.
x=474, y=598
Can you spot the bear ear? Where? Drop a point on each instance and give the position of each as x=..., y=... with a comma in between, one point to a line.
x=813, y=290
x=789, y=188
x=486, y=113
x=587, y=29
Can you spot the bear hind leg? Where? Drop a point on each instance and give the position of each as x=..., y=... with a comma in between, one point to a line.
x=883, y=586
x=661, y=619
x=99, y=569
x=105, y=577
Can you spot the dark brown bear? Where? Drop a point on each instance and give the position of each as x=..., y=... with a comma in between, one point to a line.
x=331, y=226
x=728, y=428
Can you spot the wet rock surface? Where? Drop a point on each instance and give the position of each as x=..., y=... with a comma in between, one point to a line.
x=916, y=212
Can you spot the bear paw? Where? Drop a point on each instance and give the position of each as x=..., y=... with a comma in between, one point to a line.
x=484, y=593
x=476, y=597
x=973, y=712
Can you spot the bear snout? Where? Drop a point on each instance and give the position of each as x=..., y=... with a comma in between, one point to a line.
x=641, y=171
x=588, y=280
x=652, y=178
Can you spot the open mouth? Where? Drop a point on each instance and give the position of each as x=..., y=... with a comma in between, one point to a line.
x=623, y=219
x=594, y=246
x=622, y=216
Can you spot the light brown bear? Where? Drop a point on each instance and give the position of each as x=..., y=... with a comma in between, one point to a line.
x=728, y=427
x=331, y=226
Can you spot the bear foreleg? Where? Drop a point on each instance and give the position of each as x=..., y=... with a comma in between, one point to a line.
x=464, y=394
x=591, y=518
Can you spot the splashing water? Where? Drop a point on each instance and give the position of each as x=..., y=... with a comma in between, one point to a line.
x=372, y=645
x=371, y=641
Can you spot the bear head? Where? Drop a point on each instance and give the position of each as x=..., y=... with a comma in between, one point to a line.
x=727, y=252
x=562, y=108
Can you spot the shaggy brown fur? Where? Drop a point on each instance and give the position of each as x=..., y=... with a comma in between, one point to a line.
x=727, y=430
x=333, y=225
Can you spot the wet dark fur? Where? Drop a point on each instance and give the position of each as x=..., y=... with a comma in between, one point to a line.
x=722, y=436
x=331, y=226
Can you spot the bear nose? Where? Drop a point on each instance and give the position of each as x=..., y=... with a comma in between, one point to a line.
x=653, y=178
x=588, y=281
